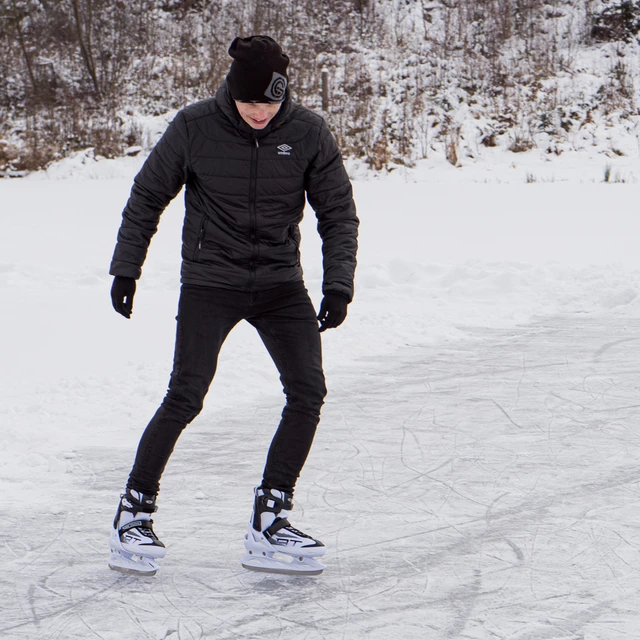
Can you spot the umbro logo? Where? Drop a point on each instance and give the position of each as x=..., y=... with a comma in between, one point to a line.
x=284, y=150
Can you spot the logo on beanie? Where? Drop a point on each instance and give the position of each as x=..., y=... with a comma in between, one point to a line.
x=277, y=87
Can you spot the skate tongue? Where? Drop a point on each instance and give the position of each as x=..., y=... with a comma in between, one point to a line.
x=127, y=517
x=270, y=505
x=135, y=505
x=268, y=519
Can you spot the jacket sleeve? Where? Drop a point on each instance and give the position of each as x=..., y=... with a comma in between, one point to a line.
x=157, y=183
x=330, y=194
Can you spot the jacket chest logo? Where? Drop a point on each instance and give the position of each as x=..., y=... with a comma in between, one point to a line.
x=284, y=150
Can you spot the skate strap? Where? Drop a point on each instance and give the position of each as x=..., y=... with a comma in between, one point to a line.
x=146, y=504
x=275, y=505
x=278, y=523
x=137, y=524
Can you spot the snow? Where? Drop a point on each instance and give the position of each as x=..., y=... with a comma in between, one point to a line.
x=475, y=472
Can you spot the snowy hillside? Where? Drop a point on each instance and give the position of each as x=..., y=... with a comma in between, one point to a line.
x=408, y=79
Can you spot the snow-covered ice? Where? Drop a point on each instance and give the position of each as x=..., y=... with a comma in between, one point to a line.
x=475, y=474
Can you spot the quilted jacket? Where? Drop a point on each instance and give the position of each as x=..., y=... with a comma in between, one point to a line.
x=244, y=198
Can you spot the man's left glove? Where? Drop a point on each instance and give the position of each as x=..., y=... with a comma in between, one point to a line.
x=122, y=291
x=333, y=311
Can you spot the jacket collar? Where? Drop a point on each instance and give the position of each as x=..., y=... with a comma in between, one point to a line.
x=228, y=107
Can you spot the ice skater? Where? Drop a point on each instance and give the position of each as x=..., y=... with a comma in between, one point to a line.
x=247, y=158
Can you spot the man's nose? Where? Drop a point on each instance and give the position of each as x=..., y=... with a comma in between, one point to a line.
x=261, y=113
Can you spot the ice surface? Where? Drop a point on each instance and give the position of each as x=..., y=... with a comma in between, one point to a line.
x=475, y=474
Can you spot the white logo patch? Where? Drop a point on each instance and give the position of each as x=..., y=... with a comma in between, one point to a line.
x=284, y=150
x=277, y=87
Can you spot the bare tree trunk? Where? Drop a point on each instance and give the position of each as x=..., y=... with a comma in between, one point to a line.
x=23, y=48
x=85, y=43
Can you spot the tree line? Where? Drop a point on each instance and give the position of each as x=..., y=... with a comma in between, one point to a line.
x=75, y=73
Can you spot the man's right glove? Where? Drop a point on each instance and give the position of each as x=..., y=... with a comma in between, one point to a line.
x=122, y=291
x=333, y=311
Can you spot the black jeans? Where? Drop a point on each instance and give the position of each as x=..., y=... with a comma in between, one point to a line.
x=286, y=321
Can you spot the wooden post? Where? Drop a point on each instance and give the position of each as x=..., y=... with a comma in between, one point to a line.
x=325, y=90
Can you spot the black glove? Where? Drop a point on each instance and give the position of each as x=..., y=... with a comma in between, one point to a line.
x=122, y=291
x=333, y=311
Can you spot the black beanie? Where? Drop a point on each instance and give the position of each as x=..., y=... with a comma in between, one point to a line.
x=259, y=70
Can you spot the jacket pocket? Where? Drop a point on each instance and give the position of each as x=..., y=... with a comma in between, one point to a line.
x=295, y=239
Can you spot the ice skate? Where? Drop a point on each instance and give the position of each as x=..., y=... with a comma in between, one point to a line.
x=273, y=545
x=135, y=547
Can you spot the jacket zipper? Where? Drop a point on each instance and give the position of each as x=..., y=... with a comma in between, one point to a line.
x=253, y=224
x=200, y=240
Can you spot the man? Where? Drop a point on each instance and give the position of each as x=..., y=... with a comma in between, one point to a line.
x=247, y=158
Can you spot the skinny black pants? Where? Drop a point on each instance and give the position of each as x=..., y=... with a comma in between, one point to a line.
x=286, y=321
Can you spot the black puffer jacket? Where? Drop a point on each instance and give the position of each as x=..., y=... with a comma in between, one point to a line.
x=244, y=197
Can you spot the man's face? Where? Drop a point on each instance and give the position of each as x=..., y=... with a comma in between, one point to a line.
x=257, y=114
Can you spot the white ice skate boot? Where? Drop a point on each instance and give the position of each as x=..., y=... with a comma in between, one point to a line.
x=273, y=545
x=134, y=546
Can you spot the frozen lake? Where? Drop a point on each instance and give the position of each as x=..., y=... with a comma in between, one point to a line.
x=475, y=474
x=482, y=489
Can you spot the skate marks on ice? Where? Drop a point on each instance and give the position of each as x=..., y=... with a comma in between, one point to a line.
x=486, y=488
x=505, y=469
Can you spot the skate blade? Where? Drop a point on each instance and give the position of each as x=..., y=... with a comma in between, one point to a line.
x=133, y=572
x=134, y=566
x=288, y=565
